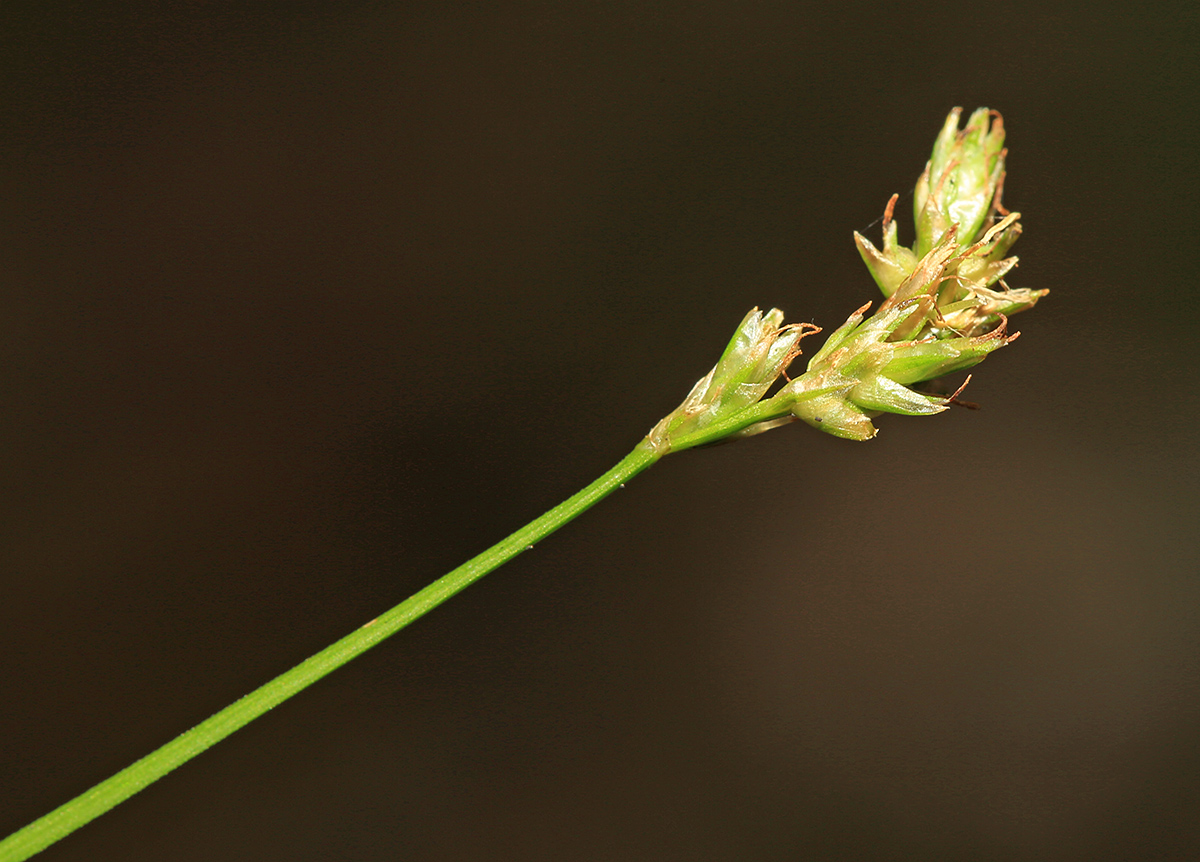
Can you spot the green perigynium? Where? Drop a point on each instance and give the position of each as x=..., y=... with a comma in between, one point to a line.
x=962, y=179
x=946, y=308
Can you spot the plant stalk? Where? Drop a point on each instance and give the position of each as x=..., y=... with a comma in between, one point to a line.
x=92, y=803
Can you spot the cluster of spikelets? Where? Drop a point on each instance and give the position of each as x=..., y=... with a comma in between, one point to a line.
x=946, y=308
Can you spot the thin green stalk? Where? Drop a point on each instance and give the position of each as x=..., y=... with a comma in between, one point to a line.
x=726, y=426
x=91, y=804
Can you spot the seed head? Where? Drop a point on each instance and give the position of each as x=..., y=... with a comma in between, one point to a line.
x=867, y=365
x=958, y=196
x=759, y=352
x=946, y=309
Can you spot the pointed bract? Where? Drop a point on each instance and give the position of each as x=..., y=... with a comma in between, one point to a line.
x=895, y=263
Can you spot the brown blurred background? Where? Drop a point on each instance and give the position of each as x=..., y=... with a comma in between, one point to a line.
x=306, y=303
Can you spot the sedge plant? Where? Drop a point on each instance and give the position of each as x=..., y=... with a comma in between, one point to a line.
x=945, y=308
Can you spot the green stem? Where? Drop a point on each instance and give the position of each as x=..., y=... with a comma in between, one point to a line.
x=91, y=804
x=763, y=411
x=777, y=406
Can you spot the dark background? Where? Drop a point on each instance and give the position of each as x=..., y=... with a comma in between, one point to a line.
x=304, y=304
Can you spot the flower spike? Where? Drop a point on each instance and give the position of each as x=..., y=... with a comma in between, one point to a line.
x=946, y=308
